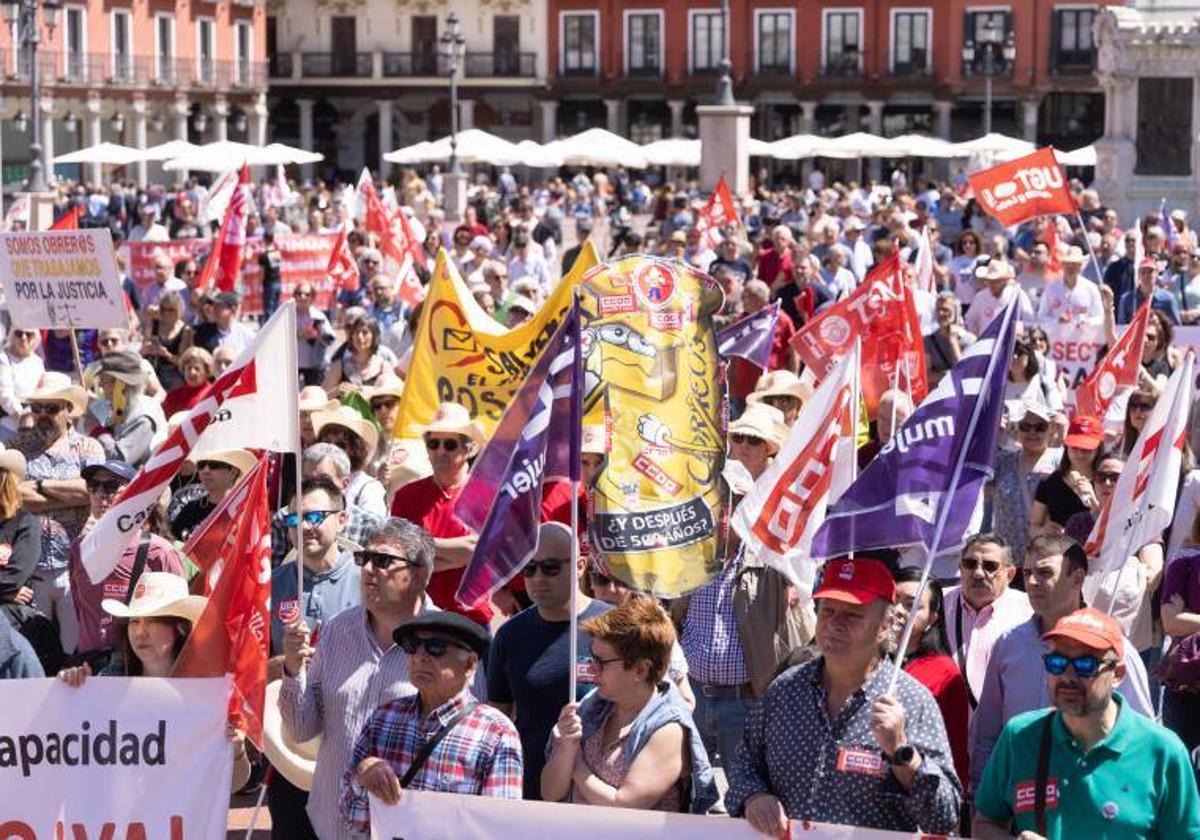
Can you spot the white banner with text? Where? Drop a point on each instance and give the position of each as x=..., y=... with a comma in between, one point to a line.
x=117, y=757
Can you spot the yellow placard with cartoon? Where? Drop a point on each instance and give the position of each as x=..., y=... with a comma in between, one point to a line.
x=461, y=354
x=652, y=378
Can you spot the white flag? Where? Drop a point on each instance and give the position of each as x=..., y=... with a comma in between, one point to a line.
x=220, y=194
x=925, y=262
x=252, y=404
x=780, y=515
x=1143, y=503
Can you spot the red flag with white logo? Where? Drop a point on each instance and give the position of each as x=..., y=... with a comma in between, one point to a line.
x=342, y=270
x=253, y=404
x=717, y=213
x=224, y=263
x=1118, y=369
x=1024, y=188
x=233, y=634
x=1143, y=503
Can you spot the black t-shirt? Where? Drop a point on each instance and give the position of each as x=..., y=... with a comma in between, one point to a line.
x=528, y=665
x=1058, y=497
x=271, y=262
x=192, y=514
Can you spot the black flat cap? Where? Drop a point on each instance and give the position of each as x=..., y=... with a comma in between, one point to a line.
x=124, y=365
x=458, y=627
x=229, y=299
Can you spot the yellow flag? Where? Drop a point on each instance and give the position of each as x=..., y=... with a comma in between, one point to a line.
x=461, y=354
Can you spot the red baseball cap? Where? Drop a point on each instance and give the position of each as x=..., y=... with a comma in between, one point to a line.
x=1084, y=432
x=1091, y=628
x=856, y=581
x=1148, y=262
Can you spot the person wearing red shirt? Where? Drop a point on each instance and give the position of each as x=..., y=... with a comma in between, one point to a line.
x=743, y=374
x=927, y=660
x=452, y=440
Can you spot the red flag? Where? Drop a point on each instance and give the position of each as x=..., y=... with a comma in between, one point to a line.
x=882, y=312
x=1023, y=188
x=395, y=235
x=1118, y=369
x=411, y=291
x=1050, y=240
x=233, y=634
x=409, y=242
x=70, y=219
x=342, y=270
x=717, y=213
x=224, y=262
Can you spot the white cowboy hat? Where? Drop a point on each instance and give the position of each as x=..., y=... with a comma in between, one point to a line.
x=408, y=462
x=239, y=459
x=57, y=387
x=995, y=270
x=295, y=762
x=158, y=595
x=780, y=383
x=1074, y=256
x=764, y=422
x=454, y=419
x=313, y=398
x=337, y=414
x=393, y=388
x=595, y=441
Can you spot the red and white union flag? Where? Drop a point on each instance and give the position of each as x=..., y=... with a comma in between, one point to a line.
x=253, y=404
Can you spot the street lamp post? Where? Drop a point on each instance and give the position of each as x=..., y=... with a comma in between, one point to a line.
x=22, y=17
x=992, y=55
x=725, y=67
x=453, y=47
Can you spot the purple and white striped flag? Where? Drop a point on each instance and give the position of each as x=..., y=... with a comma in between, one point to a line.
x=923, y=485
x=538, y=438
x=752, y=337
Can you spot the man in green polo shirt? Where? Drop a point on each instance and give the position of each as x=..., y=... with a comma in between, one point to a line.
x=1103, y=770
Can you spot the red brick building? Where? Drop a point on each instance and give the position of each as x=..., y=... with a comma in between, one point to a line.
x=640, y=67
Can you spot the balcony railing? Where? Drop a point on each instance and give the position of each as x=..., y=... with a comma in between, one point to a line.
x=281, y=65
x=774, y=69
x=57, y=68
x=406, y=64
x=1072, y=62
x=505, y=64
x=338, y=65
x=644, y=70
x=842, y=64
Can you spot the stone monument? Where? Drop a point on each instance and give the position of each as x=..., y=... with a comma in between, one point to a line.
x=725, y=134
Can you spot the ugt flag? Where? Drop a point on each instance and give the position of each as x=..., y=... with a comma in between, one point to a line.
x=1024, y=188
x=923, y=485
x=538, y=438
x=752, y=337
x=718, y=212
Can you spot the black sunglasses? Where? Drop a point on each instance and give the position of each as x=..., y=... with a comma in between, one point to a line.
x=94, y=486
x=46, y=408
x=990, y=567
x=749, y=440
x=1033, y=427
x=550, y=568
x=381, y=560
x=448, y=444
x=1108, y=476
x=212, y=465
x=435, y=646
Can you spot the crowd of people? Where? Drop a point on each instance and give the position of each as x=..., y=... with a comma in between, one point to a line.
x=1034, y=694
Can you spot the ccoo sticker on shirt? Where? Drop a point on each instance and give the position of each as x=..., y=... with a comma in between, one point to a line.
x=288, y=610
x=865, y=762
x=1026, y=794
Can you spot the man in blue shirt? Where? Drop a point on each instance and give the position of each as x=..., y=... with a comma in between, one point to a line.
x=1160, y=299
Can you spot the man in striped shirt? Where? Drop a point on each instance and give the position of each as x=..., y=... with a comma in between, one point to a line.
x=442, y=739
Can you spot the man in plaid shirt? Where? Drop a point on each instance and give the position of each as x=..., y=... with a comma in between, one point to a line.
x=457, y=744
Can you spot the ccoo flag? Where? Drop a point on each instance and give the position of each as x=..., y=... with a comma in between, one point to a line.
x=537, y=438
x=923, y=485
x=752, y=337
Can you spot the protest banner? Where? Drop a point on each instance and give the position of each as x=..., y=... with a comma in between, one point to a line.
x=63, y=278
x=462, y=354
x=1024, y=188
x=653, y=379
x=1075, y=349
x=116, y=757
x=422, y=815
x=305, y=259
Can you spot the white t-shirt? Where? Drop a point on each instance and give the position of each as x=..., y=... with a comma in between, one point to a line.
x=985, y=306
x=1082, y=303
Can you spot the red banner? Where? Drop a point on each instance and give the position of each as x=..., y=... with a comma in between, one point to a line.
x=1118, y=369
x=718, y=212
x=1023, y=188
x=305, y=259
x=883, y=314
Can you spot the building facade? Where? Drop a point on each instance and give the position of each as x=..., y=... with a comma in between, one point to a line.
x=354, y=79
x=640, y=67
x=137, y=73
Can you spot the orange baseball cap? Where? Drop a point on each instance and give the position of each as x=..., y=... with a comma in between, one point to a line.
x=1091, y=628
x=1084, y=432
x=856, y=581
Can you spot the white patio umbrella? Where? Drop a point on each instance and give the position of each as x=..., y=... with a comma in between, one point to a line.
x=758, y=148
x=472, y=146
x=537, y=156
x=111, y=154
x=409, y=154
x=290, y=154
x=672, y=151
x=805, y=146
x=860, y=144
x=221, y=155
x=1084, y=156
x=167, y=151
x=598, y=147
x=918, y=145
x=995, y=144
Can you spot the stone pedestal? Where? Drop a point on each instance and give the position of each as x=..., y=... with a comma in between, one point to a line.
x=41, y=210
x=454, y=195
x=724, y=141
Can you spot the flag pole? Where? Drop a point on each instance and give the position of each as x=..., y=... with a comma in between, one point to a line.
x=576, y=470
x=1091, y=250
x=855, y=409
x=299, y=480
x=943, y=506
x=895, y=390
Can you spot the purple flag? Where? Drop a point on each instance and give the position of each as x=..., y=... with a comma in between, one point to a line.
x=923, y=485
x=538, y=438
x=1168, y=225
x=752, y=337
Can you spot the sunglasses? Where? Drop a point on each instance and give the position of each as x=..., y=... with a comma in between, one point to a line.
x=104, y=486
x=550, y=568
x=381, y=560
x=1108, y=476
x=212, y=465
x=434, y=444
x=370, y=262
x=45, y=408
x=748, y=440
x=970, y=564
x=23, y=333
x=311, y=517
x=1033, y=427
x=435, y=647
x=1141, y=405
x=1085, y=667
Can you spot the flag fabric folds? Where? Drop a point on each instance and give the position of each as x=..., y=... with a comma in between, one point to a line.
x=70, y=219
x=224, y=264
x=1023, y=189
x=1118, y=369
x=1168, y=225
x=233, y=633
x=717, y=212
x=816, y=464
x=1143, y=503
x=752, y=337
x=538, y=438
x=252, y=404
x=923, y=485
x=342, y=270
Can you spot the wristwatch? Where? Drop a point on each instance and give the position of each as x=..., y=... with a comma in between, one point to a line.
x=903, y=756
x=38, y=486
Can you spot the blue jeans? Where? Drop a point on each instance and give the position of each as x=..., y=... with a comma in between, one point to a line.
x=721, y=721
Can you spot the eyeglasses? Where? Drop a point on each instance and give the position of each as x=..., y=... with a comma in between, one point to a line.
x=748, y=440
x=970, y=564
x=448, y=444
x=23, y=333
x=46, y=408
x=1141, y=405
x=599, y=663
x=212, y=465
x=550, y=568
x=435, y=647
x=381, y=560
x=311, y=517
x=108, y=487
x=1108, y=476
x=1085, y=667
x=1033, y=427
x=370, y=262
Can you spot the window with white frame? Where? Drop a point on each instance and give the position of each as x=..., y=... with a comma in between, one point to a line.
x=164, y=49
x=206, y=69
x=122, y=58
x=774, y=42
x=245, y=52
x=843, y=42
x=1073, y=45
x=579, y=44
x=707, y=40
x=980, y=25
x=643, y=43
x=910, y=42
x=75, y=43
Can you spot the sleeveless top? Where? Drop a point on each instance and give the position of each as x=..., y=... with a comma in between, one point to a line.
x=611, y=765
